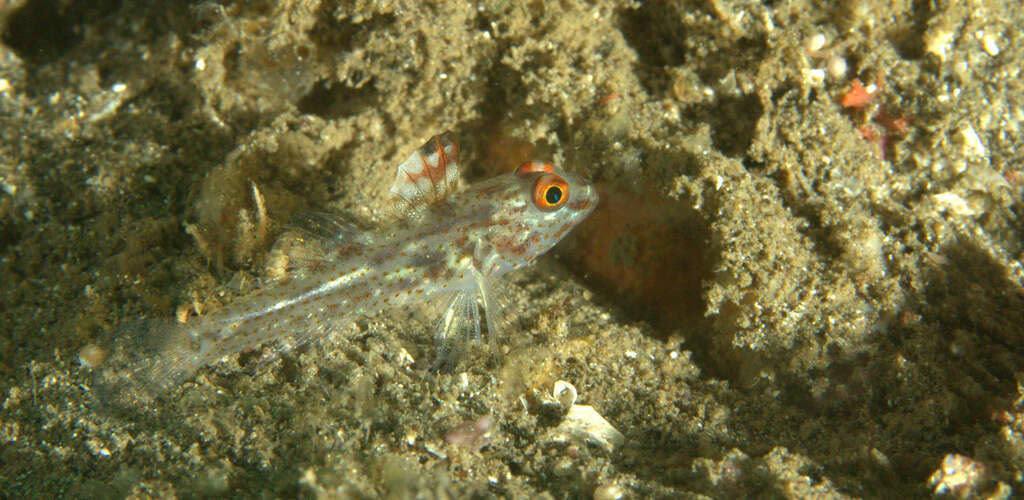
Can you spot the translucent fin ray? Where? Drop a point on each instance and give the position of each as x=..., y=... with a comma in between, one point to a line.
x=331, y=228
x=459, y=324
x=154, y=356
x=315, y=238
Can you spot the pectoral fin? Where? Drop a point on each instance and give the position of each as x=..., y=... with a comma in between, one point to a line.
x=456, y=328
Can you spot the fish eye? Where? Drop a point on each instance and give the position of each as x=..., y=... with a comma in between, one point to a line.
x=550, y=192
x=552, y=195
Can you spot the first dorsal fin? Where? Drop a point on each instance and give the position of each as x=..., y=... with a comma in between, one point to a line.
x=429, y=175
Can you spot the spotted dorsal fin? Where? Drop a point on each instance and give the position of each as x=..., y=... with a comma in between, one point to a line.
x=429, y=175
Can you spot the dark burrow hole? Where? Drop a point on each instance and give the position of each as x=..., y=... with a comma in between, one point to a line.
x=907, y=38
x=335, y=36
x=649, y=254
x=45, y=29
x=653, y=34
x=733, y=121
x=330, y=99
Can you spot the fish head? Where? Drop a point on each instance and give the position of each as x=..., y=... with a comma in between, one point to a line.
x=533, y=208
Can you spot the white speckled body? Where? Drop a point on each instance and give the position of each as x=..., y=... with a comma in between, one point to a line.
x=448, y=243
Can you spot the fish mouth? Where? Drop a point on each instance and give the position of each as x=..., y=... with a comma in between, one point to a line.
x=587, y=202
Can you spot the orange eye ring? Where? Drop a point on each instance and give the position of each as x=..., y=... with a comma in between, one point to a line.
x=550, y=192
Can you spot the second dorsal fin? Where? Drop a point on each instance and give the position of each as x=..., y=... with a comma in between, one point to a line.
x=336, y=229
x=315, y=239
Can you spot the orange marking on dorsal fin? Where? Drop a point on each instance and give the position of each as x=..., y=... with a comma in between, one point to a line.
x=429, y=174
x=434, y=172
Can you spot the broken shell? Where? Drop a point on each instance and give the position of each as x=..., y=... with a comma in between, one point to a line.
x=564, y=393
x=815, y=42
x=958, y=475
x=836, y=66
x=583, y=423
x=609, y=492
x=92, y=356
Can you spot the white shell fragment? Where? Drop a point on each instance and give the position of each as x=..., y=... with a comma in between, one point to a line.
x=953, y=203
x=92, y=356
x=837, y=67
x=938, y=41
x=958, y=475
x=564, y=393
x=609, y=492
x=583, y=423
x=988, y=43
x=815, y=42
x=970, y=143
x=815, y=77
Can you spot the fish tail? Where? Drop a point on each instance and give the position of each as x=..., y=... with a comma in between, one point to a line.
x=149, y=358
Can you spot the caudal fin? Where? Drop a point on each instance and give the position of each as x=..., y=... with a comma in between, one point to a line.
x=149, y=358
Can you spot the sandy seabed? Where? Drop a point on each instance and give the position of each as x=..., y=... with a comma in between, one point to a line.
x=803, y=279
